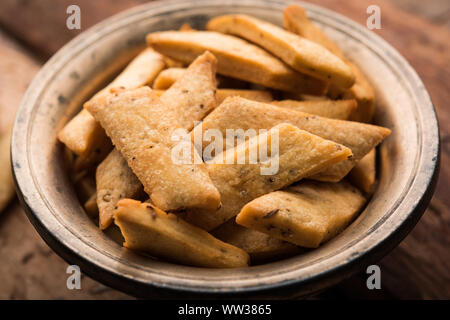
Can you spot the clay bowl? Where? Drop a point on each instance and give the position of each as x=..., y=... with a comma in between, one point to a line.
x=407, y=168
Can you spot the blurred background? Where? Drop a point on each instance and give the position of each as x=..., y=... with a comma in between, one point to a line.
x=31, y=31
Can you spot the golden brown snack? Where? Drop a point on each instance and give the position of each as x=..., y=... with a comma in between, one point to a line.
x=141, y=128
x=83, y=134
x=89, y=160
x=296, y=20
x=192, y=96
x=299, y=154
x=301, y=54
x=306, y=214
x=256, y=95
x=115, y=180
x=91, y=206
x=363, y=174
x=167, y=78
x=194, y=88
x=236, y=58
x=260, y=246
x=7, y=190
x=149, y=229
x=240, y=113
x=335, y=109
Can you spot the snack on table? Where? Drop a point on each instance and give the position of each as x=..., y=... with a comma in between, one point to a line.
x=149, y=229
x=236, y=58
x=235, y=195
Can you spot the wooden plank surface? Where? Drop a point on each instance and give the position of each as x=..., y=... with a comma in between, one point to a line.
x=418, y=268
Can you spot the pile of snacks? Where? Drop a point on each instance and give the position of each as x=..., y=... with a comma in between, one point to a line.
x=289, y=92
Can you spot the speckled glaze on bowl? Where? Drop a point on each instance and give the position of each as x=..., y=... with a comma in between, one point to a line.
x=408, y=159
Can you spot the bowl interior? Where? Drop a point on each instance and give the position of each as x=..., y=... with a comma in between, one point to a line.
x=86, y=64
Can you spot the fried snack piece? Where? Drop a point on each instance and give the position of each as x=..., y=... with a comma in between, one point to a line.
x=192, y=96
x=335, y=109
x=193, y=89
x=171, y=63
x=260, y=246
x=303, y=97
x=167, y=78
x=298, y=154
x=7, y=190
x=84, y=185
x=256, y=95
x=236, y=58
x=89, y=160
x=91, y=206
x=296, y=20
x=363, y=93
x=363, y=174
x=115, y=180
x=186, y=27
x=301, y=54
x=222, y=94
x=240, y=113
x=83, y=134
x=306, y=214
x=141, y=128
x=149, y=229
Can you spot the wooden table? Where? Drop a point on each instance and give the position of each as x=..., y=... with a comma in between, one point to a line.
x=31, y=31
